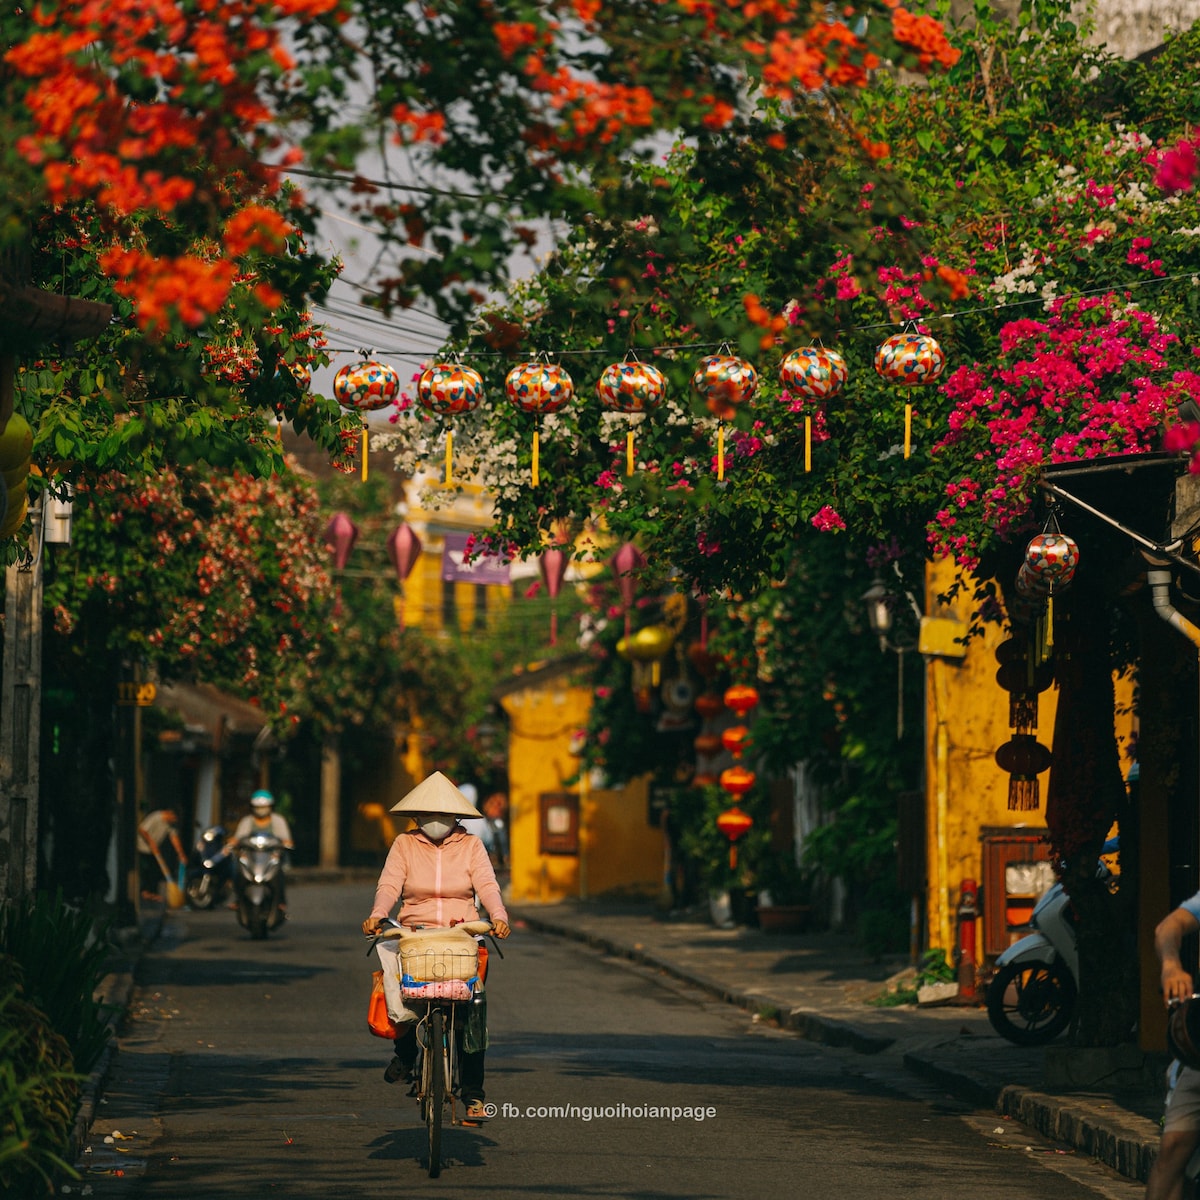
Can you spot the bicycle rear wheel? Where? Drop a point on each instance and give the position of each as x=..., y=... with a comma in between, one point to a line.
x=435, y=1089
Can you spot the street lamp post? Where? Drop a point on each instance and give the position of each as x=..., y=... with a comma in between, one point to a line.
x=878, y=601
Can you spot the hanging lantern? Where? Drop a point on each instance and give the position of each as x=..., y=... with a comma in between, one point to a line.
x=708, y=705
x=364, y=387
x=301, y=373
x=449, y=389
x=631, y=387
x=741, y=698
x=707, y=745
x=340, y=535
x=646, y=649
x=723, y=382
x=1052, y=557
x=704, y=663
x=910, y=359
x=553, y=568
x=703, y=779
x=736, y=739
x=404, y=549
x=627, y=559
x=816, y=374
x=1024, y=758
x=537, y=388
x=737, y=780
x=734, y=824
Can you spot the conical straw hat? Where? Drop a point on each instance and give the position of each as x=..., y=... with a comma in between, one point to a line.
x=437, y=794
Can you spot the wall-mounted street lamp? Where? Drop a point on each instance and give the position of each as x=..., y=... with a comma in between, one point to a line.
x=879, y=602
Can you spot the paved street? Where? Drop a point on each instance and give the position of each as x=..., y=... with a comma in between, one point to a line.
x=247, y=1070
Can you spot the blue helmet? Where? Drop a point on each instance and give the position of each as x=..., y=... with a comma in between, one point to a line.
x=262, y=799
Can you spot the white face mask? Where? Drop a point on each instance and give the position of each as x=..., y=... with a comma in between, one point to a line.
x=436, y=828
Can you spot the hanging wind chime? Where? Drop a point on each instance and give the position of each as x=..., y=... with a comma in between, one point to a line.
x=910, y=359
x=631, y=387
x=537, y=388
x=723, y=382
x=817, y=375
x=449, y=388
x=365, y=387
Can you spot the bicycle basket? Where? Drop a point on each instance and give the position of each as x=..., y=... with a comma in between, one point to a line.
x=438, y=957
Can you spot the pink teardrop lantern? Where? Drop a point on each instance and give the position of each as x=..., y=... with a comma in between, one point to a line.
x=553, y=568
x=627, y=559
x=404, y=549
x=340, y=535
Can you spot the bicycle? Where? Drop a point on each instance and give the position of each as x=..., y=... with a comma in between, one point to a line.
x=440, y=971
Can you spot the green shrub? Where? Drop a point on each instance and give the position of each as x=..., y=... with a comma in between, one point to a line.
x=63, y=953
x=39, y=1094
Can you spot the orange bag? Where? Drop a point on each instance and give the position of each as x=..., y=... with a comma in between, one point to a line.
x=378, y=1021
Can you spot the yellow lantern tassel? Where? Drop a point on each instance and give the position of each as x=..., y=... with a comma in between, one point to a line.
x=449, y=453
x=808, y=443
x=1050, y=621
x=907, y=430
x=720, y=451
x=629, y=459
x=365, y=443
x=534, y=469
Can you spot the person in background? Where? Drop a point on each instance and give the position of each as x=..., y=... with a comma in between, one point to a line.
x=479, y=825
x=435, y=872
x=495, y=808
x=1181, y=1120
x=158, y=845
x=264, y=819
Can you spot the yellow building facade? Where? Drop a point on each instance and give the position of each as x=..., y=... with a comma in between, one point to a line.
x=970, y=832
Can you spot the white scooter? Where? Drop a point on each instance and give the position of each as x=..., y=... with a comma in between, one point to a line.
x=1033, y=993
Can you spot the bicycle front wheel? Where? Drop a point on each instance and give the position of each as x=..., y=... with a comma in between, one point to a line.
x=435, y=1089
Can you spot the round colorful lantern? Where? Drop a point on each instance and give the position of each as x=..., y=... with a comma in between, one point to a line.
x=365, y=386
x=741, y=698
x=631, y=387
x=815, y=374
x=734, y=824
x=302, y=374
x=736, y=739
x=1052, y=557
x=910, y=359
x=724, y=381
x=449, y=388
x=538, y=387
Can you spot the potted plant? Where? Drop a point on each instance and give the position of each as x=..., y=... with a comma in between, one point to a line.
x=785, y=894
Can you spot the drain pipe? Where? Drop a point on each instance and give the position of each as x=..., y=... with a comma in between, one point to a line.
x=1158, y=577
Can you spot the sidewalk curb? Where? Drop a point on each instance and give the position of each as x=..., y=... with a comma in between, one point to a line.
x=115, y=992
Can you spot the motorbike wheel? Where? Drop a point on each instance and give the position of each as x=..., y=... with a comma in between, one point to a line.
x=1030, y=1004
x=201, y=892
x=257, y=921
x=435, y=1091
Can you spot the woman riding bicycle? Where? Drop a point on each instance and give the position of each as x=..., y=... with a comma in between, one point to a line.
x=437, y=870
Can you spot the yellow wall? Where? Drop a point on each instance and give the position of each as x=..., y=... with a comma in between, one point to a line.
x=620, y=852
x=967, y=719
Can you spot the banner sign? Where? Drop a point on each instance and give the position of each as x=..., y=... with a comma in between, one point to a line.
x=484, y=569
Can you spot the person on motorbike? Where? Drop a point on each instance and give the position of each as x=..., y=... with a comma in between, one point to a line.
x=1181, y=1122
x=435, y=872
x=264, y=819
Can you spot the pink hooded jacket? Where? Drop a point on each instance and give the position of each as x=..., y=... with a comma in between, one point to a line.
x=438, y=880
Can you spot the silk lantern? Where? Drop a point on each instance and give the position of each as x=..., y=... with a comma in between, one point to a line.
x=538, y=387
x=553, y=568
x=816, y=374
x=910, y=359
x=631, y=387
x=364, y=387
x=449, y=388
x=734, y=823
x=627, y=559
x=741, y=698
x=404, y=549
x=340, y=535
x=1051, y=559
x=723, y=382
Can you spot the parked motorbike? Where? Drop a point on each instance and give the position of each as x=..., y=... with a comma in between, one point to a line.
x=1033, y=993
x=210, y=869
x=258, y=881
